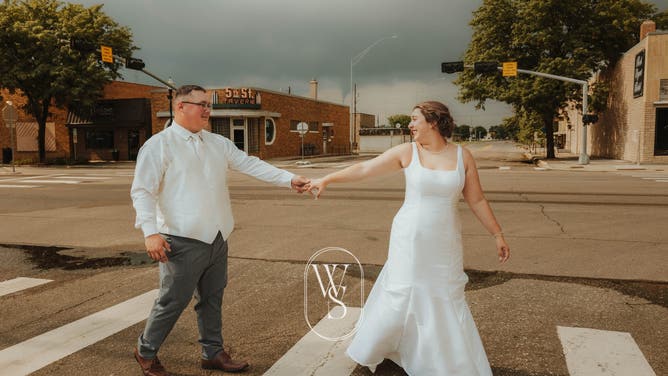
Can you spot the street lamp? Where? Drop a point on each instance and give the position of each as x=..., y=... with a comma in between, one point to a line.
x=172, y=84
x=354, y=60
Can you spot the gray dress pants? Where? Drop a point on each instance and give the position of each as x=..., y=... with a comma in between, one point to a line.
x=193, y=266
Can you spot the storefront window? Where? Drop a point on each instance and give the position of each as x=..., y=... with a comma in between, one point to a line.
x=96, y=139
x=253, y=135
x=221, y=126
x=269, y=131
x=663, y=90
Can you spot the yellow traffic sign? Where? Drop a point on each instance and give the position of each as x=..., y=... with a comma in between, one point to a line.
x=510, y=69
x=107, y=55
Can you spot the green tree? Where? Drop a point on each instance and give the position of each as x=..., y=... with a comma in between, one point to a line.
x=48, y=53
x=571, y=38
x=661, y=20
x=463, y=130
x=401, y=119
x=480, y=132
x=498, y=132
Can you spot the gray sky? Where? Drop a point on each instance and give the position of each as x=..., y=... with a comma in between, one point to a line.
x=274, y=44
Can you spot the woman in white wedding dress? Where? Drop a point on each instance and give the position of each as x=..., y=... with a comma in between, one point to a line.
x=416, y=314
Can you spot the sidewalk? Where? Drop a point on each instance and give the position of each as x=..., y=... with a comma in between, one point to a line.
x=569, y=162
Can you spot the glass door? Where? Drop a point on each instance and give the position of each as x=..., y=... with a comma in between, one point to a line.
x=239, y=133
x=661, y=141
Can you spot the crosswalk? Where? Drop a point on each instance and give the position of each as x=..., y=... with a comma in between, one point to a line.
x=655, y=176
x=38, y=181
x=586, y=351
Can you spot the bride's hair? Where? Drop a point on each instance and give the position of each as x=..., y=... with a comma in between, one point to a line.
x=438, y=114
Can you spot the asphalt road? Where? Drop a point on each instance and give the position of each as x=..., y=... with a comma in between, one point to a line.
x=589, y=250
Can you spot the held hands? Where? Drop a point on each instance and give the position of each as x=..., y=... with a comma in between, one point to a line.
x=156, y=247
x=299, y=183
x=316, y=187
x=502, y=248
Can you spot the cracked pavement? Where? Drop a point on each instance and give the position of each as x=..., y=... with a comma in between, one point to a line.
x=589, y=250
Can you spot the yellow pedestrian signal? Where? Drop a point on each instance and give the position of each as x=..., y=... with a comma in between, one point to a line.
x=107, y=55
x=510, y=69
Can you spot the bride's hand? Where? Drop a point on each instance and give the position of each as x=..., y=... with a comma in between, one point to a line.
x=502, y=249
x=316, y=187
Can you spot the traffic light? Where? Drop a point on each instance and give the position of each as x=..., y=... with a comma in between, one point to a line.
x=589, y=119
x=82, y=45
x=452, y=66
x=134, y=63
x=486, y=66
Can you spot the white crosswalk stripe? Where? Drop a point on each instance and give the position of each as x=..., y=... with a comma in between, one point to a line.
x=37, y=352
x=601, y=352
x=55, y=179
x=21, y=283
x=313, y=355
x=657, y=176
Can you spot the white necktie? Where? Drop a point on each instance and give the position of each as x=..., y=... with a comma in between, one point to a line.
x=197, y=145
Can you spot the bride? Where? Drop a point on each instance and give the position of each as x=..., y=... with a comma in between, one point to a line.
x=416, y=314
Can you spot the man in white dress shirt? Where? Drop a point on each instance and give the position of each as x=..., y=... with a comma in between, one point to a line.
x=183, y=207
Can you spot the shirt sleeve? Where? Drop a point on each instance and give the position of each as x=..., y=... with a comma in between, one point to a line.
x=146, y=186
x=255, y=167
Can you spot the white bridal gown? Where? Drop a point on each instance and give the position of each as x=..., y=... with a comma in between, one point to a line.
x=416, y=314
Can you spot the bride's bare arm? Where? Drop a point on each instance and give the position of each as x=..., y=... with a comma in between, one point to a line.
x=391, y=160
x=476, y=200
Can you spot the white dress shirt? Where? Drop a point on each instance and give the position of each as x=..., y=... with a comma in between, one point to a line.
x=180, y=183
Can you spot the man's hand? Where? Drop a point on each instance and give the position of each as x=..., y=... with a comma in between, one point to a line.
x=156, y=247
x=298, y=183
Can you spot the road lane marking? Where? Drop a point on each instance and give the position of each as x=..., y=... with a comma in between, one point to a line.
x=602, y=352
x=18, y=186
x=53, y=181
x=30, y=177
x=83, y=177
x=20, y=283
x=40, y=351
x=312, y=355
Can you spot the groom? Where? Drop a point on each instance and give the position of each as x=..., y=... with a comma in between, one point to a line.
x=183, y=207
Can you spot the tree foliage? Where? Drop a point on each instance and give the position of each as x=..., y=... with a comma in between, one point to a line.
x=571, y=38
x=39, y=59
x=480, y=132
x=401, y=119
x=464, y=131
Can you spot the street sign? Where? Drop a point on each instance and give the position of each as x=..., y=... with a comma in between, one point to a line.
x=302, y=128
x=10, y=115
x=107, y=55
x=510, y=69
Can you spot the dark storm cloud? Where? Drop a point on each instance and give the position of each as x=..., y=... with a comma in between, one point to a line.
x=275, y=44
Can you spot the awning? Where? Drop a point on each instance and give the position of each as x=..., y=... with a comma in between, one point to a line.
x=73, y=119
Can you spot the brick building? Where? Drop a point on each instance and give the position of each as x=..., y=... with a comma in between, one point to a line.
x=261, y=122
x=264, y=123
x=634, y=126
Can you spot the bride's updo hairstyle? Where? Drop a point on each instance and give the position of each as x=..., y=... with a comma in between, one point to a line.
x=438, y=114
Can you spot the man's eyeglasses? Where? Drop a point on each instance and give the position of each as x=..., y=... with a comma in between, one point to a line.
x=204, y=105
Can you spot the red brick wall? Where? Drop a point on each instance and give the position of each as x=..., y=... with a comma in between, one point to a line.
x=57, y=116
x=303, y=109
x=115, y=90
x=290, y=107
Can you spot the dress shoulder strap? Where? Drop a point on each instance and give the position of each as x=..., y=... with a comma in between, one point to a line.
x=414, y=155
x=460, y=158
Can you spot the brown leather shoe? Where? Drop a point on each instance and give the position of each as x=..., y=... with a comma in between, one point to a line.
x=224, y=362
x=151, y=367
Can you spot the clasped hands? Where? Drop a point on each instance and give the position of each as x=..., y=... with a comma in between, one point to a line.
x=302, y=184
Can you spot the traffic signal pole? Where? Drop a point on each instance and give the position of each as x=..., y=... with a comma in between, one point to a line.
x=138, y=64
x=583, y=158
x=482, y=67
